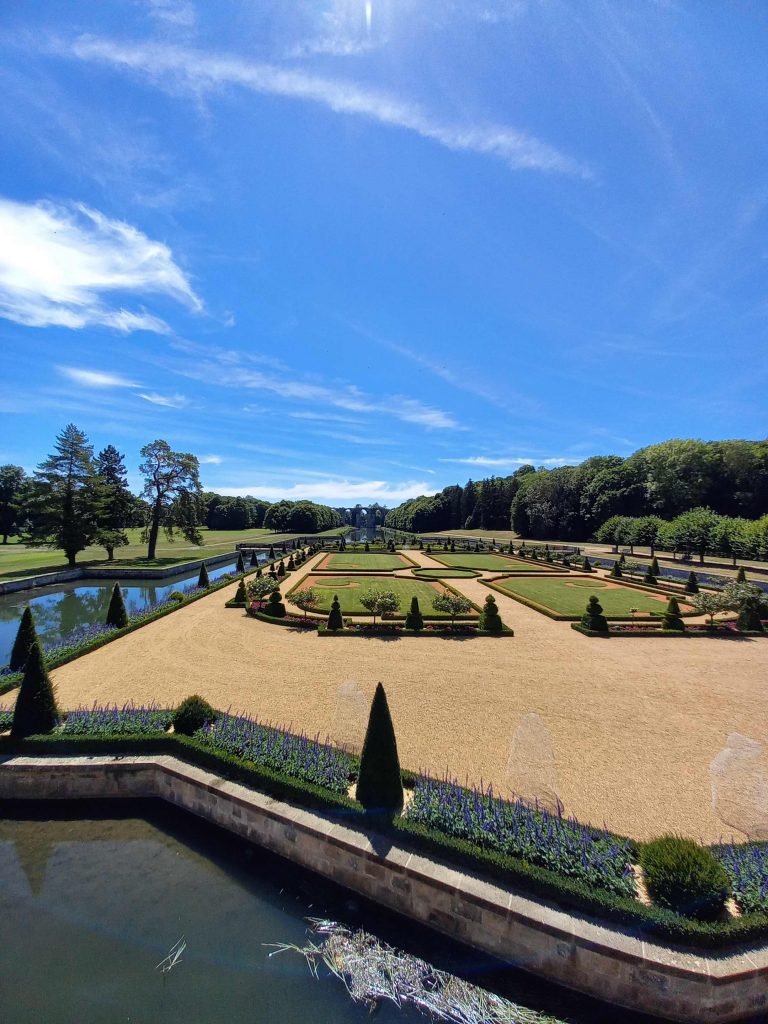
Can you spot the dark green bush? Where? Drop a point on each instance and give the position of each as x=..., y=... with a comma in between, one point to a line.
x=616, y=572
x=593, y=617
x=26, y=636
x=275, y=606
x=414, y=619
x=254, y=559
x=655, y=566
x=192, y=714
x=672, y=618
x=490, y=620
x=692, y=583
x=685, y=877
x=176, y=595
x=281, y=568
x=379, y=785
x=35, y=710
x=334, y=616
x=202, y=579
x=586, y=565
x=741, y=576
x=649, y=579
x=117, y=616
x=242, y=594
x=749, y=616
x=240, y=563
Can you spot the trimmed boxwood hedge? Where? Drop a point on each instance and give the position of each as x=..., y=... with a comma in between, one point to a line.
x=392, y=629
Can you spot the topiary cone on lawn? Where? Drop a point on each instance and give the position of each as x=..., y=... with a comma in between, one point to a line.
x=335, y=620
x=202, y=579
x=692, y=583
x=25, y=637
x=414, y=619
x=672, y=618
x=490, y=620
x=379, y=785
x=593, y=617
x=35, y=710
x=117, y=616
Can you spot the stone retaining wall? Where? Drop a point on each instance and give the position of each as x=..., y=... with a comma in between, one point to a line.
x=572, y=951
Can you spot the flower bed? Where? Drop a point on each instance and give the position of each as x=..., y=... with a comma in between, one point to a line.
x=129, y=720
x=433, y=629
x=297, y=621
x=723, y=630
x=747, y=868
x=538, y=837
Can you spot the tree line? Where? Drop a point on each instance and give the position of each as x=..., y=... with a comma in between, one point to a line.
x=699, y=531
x=76, y=499
x=728, y=477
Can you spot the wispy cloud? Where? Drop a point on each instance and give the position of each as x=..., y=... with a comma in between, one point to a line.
x=336, y=491
x=196, y=71
x=96, y=378
x=485, y=460
x=60, y=264
x=166, y=401
x=210, y=460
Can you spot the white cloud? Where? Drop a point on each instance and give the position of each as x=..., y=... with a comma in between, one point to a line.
x=166, y=401
x=60, y=263
x=484, y=460
x=96, y=378
x=195, y=71
x=210, y=460
x=336, y=491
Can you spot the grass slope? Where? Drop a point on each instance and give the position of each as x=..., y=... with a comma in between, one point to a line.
x=569, y=596
x=490, y=560
x=349, y=589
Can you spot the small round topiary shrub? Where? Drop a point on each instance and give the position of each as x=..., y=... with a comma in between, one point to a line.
x=192, y=714
x=685, y=877
x=176, y=595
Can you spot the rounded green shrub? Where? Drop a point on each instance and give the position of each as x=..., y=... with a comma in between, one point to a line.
x=692, y=583
x=682, y=876
x=275, y=606
x=192, y=714
x=490, y=620
x=176, y=595
x=593, y=617
x=334, y=616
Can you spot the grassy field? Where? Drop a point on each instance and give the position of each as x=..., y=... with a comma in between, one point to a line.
x=355, y=561
x=569, y=596
x=19, y=560
x=349, y=588
x=489, y=560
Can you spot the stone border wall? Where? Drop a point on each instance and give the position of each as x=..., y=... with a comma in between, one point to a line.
x=607, y=963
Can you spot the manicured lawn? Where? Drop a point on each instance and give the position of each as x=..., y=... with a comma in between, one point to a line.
x=455, y=573
x=19, y=560
x=568, y=596
x=349, y=588
x=360, y=561
x=490, y=560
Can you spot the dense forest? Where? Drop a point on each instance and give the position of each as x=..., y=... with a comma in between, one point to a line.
x=571, y=502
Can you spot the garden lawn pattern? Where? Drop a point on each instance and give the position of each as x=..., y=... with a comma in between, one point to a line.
x=362, y=561
x=350, y=588
x=568, y=597
x=488, y=560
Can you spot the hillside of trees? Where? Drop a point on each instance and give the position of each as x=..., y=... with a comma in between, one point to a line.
x=570, y=503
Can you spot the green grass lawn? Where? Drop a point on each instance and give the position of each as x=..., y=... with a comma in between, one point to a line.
x=568, y=596
x=449, y=573
x=359, y=561
x=490, y=560
x=19, y=560
x=349, y=588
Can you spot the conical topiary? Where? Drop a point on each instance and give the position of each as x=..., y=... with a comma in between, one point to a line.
x=490, y=620
x=379, y=785
x=741, y=576
x=672, y=618
x=275, y=606
x=649, y=579
x=622, y=559
x=240, y=562
x=271, y=553
x=25, y=637
x=692, y=583
x=593, y=618
x=202, y=579
x=655, y=566
x=749, y=616
x=241, y=597
x=291, y=563
x=35, y=710
x=117, y=616
x=586, y=566
x=335, y=620
x=281, y=568
x=414, y=619
x=616, y=573
x=254, y=559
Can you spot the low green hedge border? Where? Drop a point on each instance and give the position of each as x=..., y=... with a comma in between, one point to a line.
x=540, y=882
x=686, y=634
x=322, y=630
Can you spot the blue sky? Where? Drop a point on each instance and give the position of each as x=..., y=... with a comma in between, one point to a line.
x=355, y=251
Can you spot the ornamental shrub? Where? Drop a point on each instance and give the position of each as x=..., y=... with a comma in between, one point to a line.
x=334, y=616
x=622, y=559
x=192, y=714
x=254, y=559
x=35, y=710
x=241, y=597
x=25, y=637
x=285, y=549
x=414, y=619
x=271, y=553
x=741, y=576
x=258, y=573
x=176, y=595
x=593, y=617
x=281, y=568
x=586, y=566
x=291, y=563
x=749, y=616
x=275, y=606
x=649, y=579
x=655, y=566
x=202, y=579
x=535, y=555
x=367, y=546
x=117, y=616
x=692, y=583
x=240, y=563
x=490, y=620
x=616, y=573
x=379, y=785
x=672, y=618
x=685, y=877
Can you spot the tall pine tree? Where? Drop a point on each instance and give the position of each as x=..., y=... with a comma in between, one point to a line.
x=115, y=501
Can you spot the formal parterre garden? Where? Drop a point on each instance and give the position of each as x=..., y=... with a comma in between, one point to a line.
x=491, y=561
x=362, y=561
x=565, y=597
x=349, y=589
x=700, y=897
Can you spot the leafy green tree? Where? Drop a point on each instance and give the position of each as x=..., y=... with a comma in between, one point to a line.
x=741, y=576
x=750, y=616
x=593, y=618
x=611, y=531
x=26, y=636
x=64, y=501
x=672, y=619
x=696, y=530
x=12, y=486
x=709, y=603
x=414, y=619
x=115, y=501
x=307, y=599
x=335, y=620
x=35, y=711
x=379, y=783
x=646, y=531
x=451, y=604
x=378, y=601
x=117, y=616
x=172, y=489
x=490, y=620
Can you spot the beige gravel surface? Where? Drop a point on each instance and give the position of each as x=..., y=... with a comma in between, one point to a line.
x=632, y=724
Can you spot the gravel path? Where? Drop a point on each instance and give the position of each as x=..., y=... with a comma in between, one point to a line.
x=625, y=733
